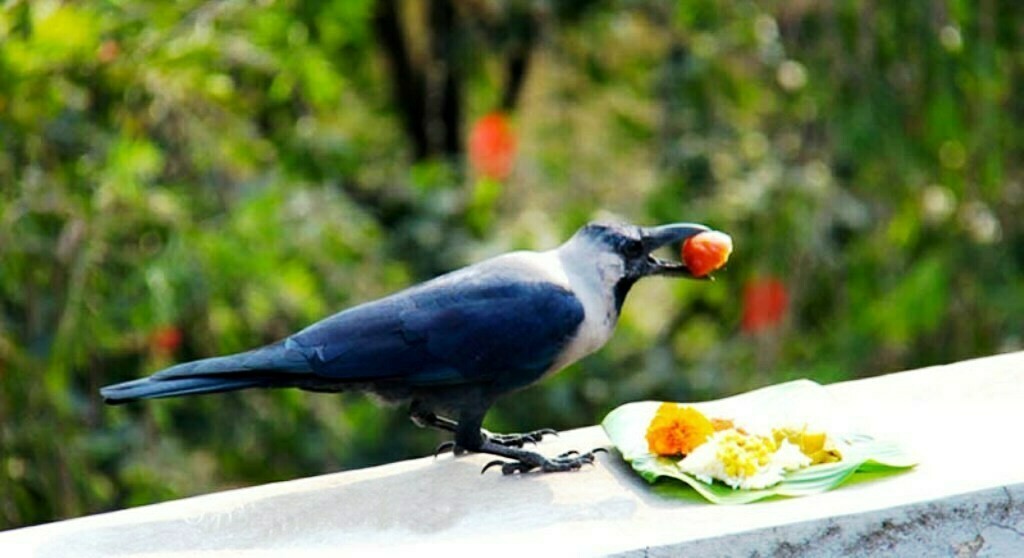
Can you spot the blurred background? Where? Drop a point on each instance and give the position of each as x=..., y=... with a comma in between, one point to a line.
x=192, y=178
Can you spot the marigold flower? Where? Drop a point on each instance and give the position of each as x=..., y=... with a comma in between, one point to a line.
x=677, y=430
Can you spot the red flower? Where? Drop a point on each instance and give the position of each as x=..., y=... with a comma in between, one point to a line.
x=492, y=146
x=108, y=51
x=764, y=304
x=165, y=340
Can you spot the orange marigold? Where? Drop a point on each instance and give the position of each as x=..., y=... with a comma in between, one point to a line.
x=677, y=430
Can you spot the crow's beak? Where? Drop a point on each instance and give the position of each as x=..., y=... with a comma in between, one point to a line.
x=656, y=237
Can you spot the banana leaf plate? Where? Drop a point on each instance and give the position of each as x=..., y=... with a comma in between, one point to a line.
x=801, y=401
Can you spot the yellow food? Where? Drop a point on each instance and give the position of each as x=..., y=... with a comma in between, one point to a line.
x=721, y=424
x=812, y=444
x=743, y=455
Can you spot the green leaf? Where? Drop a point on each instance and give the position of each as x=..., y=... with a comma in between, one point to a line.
x=801, y=400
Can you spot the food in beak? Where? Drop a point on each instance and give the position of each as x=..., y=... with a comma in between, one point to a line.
x=706, y=252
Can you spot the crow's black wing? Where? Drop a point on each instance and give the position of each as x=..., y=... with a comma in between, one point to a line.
x=463, y=328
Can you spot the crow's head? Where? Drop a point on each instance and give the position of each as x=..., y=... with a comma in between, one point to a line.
x=621, y=253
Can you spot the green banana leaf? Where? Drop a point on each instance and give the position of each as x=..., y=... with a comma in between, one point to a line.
x=799, y=401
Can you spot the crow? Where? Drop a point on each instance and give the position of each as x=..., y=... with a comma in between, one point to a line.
x=453, y=345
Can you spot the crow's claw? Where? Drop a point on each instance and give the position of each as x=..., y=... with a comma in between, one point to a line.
x=444, y=447
x=491, y=464
x=509, y=467
x=456, y=449
x=519, y=440
x=513, y=467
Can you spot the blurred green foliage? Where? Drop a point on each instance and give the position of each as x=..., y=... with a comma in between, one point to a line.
x=185, y=179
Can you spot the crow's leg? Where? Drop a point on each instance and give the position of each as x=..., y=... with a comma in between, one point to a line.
x=425, y=419
x=470, y=437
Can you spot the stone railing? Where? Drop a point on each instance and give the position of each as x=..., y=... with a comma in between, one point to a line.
x=966, y=497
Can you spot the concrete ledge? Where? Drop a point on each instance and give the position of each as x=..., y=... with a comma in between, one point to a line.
x=965, y=498
x=985, y=523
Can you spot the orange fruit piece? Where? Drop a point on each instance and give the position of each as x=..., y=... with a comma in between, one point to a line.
x=706, y=252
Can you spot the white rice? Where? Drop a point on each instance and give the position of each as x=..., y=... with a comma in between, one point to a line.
x=706, y=462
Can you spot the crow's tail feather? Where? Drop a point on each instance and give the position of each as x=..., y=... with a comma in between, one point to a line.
x=277, y=365
x=151, y=388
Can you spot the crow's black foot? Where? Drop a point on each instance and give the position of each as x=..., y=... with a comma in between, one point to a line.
x=505, y=440
x=568, y=461
x=520, y=440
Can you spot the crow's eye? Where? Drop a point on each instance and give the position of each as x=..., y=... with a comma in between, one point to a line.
x=633, y=248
